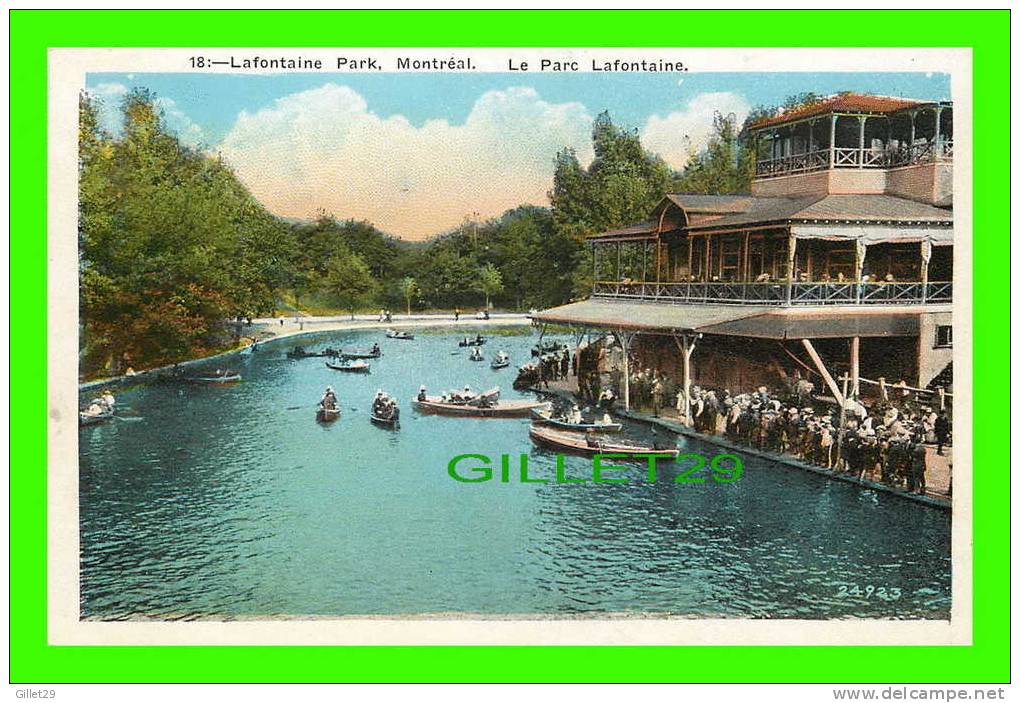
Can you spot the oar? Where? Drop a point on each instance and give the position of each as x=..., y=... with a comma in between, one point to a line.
x=128, y=419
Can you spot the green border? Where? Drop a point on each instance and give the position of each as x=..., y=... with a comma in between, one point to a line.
x=32, y=32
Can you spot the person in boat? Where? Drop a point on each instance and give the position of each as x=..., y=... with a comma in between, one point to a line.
x=375, y=348
x=478, y=339
x=476, y=353
x=328, y=400
x=299, y=350
x=107, y=401
x=574, y=418
x=421, y=393
x=95, y=408
x=378, y=402
x=606, y=419
x=590, y=439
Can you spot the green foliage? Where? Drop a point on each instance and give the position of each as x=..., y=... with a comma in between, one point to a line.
x=722, y=167
x=490, y=282
x=409, y=290
x=170, y=243
x=348, y=279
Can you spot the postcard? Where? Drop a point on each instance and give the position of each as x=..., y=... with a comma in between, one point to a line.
x=509, y=346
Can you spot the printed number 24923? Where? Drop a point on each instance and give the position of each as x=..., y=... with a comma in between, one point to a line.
x=858, y=591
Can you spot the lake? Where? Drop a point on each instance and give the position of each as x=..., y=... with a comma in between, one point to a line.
x=224, y=503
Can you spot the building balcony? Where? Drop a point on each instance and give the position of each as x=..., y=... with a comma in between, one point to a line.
x=779, y=293
x=843, y=157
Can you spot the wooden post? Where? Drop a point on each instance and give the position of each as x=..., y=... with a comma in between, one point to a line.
x=855, y=367
x=942, y=398
x=861, y=119
x=832, y=142
x=842, y=425
x=690, y=256
x=882, y=389
x=829, y=381
x=747, y=257
x=708, y=258
x=937, y=142
x=595, y=262
x=686, y=344
x=791, y=257
x=624, y=343
x=619, y=260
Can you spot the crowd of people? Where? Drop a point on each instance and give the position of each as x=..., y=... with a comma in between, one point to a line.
x=884, y=443
x=385, y=406
x=547, y=366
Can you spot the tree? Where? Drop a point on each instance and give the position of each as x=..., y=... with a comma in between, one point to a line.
x=490, y=282
x=348, y=279
x=409, y=289
x=170, y=243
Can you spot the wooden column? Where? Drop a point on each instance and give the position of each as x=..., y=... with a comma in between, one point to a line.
x=861, y=119
x=686, y=344
x=595, y=262
x=624, y=344
x=690, y=257
x=747, y=257
x=855, y=367
x=937, y=142
x=820, y=365
x=925, y=260
x=791, y=258
x=832, y=142
x=619, y=268
x=708, y=258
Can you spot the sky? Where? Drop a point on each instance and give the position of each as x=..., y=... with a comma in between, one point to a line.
x=415, y=154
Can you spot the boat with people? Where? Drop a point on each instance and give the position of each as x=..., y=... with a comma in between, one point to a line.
x=374, y=353
x=302, y=353
x=329, y=406
x=546, y=417
x=468, y=404
x=385, y=411
x=501, y=361
x=478, y=341
x=476, y=355
x=393, y=334
x=220, y=377
x=548, y=348
x=86, y=418
x=591, y=443
x=349, y=366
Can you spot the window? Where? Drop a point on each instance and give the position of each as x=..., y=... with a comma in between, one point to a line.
x=943, y=336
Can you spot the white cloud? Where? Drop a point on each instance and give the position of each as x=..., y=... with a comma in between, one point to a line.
x=674, y=136
x=108, y=100
x=324, y=148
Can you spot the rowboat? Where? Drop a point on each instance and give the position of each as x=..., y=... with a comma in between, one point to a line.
x=498, y=408
x=327, y=414
x=578, y=442
x=547, y=348
x=476, y=342
x=352, y=367
x=392, y=421
x=496, y=364
x=361, y=354
x=487, y=398
x=85, y=419
x=214, y=380
x=545, y=417
x=302, y=354
x=393, y=334
x=476, y=357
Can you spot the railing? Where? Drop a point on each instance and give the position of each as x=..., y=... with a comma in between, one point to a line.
x=779, y=293
x=852, y=157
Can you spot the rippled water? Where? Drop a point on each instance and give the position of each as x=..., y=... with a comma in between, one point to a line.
x=221, y=502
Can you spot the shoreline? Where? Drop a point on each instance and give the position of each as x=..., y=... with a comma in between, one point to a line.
x=294, y=328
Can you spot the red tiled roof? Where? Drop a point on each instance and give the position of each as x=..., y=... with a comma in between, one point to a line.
x=844, y=102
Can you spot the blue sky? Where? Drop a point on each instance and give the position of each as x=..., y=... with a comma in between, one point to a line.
x=359, y=145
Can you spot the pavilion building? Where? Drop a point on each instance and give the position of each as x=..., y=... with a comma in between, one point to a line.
x=839, y=262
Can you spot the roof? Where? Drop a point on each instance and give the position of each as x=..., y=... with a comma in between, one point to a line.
x=641, y=230
x=745, y=210
x=808, y=323
x=856, y=103
x=646, y=317
x=742, y=321
x=697, y=202
x=855, y=207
